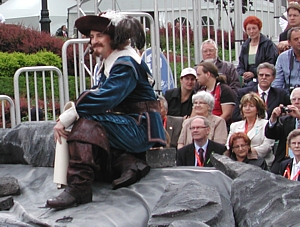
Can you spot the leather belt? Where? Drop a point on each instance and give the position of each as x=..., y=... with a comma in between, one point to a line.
x=138, y=107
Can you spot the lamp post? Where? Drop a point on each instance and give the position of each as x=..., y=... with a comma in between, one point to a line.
x=45, y=20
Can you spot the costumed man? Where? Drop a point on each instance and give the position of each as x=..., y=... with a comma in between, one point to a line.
x=122, y=114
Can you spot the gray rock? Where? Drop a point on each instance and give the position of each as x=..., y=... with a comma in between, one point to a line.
x=29, y=143
x=231, y=168
x=260, y=198
x=190, y=201
x=9, y=186
x=188, y=223
x=164, y=157
x=6, y=203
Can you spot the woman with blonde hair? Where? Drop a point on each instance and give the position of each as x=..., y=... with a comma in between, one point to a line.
x=253, y=110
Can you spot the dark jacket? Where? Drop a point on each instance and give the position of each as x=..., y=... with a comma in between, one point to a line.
x=229, y=70
x=186, y=154
x=266, y=52
x=283, y=166
x=258, y=161
x=280, y=131
x=175, y=107
x=173, y=127
x=283, y=35
x=276, y=96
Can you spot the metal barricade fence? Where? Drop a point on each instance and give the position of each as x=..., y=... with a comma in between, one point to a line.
x=6, y=99
x=182, y=26
x=47, y=101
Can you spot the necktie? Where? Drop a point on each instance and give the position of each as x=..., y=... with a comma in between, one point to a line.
x=263, y=96
x=201, y=151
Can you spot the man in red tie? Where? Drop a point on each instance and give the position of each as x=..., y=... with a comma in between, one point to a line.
x=198, y=153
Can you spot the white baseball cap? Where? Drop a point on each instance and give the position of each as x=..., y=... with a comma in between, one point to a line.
x=188, y=71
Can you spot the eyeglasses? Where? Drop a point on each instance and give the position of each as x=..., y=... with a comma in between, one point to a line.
x=198, y=103
x=197, y=128
x=242, y=146
x=294, y=144
x=264, y=75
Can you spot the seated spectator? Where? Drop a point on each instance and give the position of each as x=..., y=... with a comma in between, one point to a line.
x=281, y=123
x=253, y=112
x=240, y=150
x=209, y=51
x=283, y=21
x=293, y=21
x=287, y=65
x=210, y=81
x=171, y=124
x=272, y=97
x=255, y=50
x=290, y=168
x=198, y=153
x=180, y=99
x=203, y=104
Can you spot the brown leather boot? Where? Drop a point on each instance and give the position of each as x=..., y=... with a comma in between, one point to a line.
x=87, y=143
x=130, y=170
x=80, y=176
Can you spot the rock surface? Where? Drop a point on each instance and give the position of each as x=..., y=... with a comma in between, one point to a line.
x=28, y=143
x=6, y=203
x=9, y=186
x=164, y=157
x=178, y=196
x=191, y=201
x=261, y=198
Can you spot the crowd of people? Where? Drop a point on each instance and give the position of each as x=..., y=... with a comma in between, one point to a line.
x=257, y=119
x=213, y=111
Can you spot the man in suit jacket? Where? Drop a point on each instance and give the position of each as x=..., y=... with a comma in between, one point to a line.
x=172, y=124
x=279, y=127
x=273, y=97
x=198, y=153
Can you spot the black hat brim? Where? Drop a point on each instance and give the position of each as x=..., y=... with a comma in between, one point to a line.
x=96, y=23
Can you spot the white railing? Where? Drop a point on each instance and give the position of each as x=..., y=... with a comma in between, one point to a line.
x=36, y=77
x=6, y=99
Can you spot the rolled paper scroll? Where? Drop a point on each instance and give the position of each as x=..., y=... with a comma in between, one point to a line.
x=61, y=163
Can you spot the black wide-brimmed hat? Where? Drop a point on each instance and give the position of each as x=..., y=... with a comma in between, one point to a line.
x=96, y=23
x=120, y=27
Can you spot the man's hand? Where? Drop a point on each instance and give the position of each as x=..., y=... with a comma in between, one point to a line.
x=248, y=75
x=294, y=111
x=59, y=130
x=276, y=113
x=283, y=46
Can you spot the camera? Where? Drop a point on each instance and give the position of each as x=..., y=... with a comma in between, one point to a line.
x=285, y=109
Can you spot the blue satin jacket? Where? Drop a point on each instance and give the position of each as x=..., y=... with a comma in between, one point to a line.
x=127, y=83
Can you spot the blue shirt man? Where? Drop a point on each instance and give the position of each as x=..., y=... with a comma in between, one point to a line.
x=288, y=63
